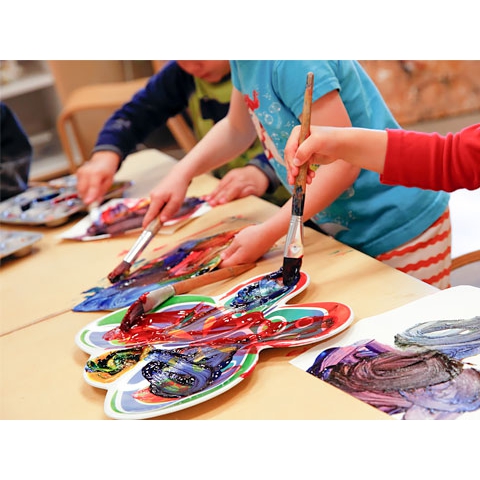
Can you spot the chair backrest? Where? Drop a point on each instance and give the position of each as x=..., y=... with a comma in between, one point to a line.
x=72, y=74
x=466, y=270
x=91, y=90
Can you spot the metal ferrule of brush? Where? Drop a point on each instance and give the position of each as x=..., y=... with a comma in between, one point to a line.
x=294, y=241
x=138, y=246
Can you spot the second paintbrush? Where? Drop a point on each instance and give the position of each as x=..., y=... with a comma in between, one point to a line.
x=139, y=246
x=149, y=301
x=293, y=253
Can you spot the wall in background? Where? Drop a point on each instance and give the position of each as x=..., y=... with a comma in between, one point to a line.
x=420, y=90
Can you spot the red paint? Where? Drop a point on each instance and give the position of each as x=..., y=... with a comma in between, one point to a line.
x=134, y=314
x=206, y=324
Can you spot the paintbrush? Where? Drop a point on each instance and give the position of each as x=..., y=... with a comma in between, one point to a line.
x=293, y=253
x=149, y=301
x=123, y=269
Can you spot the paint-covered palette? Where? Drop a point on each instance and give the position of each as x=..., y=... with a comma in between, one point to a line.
x=418, y=362
x=50, y=204
x=193, y=347
x=125, y=215
x=17, y=243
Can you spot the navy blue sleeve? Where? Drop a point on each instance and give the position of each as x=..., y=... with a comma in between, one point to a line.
x=165, y=95
x=261, y=162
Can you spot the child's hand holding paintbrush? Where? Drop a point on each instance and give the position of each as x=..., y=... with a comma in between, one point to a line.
x=162, y=207
x=226, y=140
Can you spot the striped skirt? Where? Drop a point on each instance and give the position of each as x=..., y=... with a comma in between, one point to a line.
x=426, y=257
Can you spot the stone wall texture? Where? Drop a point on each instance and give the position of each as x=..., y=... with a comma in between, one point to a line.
x=421, y=90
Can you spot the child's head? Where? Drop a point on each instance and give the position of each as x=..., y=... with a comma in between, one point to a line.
x=209, y=70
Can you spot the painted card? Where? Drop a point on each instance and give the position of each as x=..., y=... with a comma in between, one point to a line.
x=193, y=256
x=193, y=348
x=125, y=215
x=417, y=362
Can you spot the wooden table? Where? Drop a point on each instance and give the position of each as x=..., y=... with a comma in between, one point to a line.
x=51, y=279
x=41, y=367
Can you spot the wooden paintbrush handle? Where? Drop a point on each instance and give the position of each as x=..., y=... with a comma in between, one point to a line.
x=307, y=109
x=301, y=180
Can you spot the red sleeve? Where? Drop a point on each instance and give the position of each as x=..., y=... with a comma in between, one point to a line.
x=432, y=161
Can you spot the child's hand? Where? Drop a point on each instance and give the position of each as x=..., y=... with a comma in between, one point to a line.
x=248, y=246
x=364, y=148
x=95, y=177
x=294, y=158
x=167, y=197
x=238, y=183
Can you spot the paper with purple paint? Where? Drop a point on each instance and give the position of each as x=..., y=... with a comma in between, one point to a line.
x=420, y=361
x=125, y=215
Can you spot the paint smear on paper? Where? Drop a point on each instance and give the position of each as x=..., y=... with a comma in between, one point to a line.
x=125, y=215
x=425, y=378
x=191, y=258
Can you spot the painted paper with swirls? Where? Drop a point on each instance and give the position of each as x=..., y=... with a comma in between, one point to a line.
x=427, y=370
x=190, y=258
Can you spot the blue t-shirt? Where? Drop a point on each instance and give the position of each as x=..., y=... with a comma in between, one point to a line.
x=368, y=216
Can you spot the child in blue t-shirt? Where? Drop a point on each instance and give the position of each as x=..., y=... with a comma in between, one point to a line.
x=408, y=228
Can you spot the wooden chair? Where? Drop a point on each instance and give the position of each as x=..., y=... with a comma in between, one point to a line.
x=465, y=259
x=96, y=102
x=465, y=269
